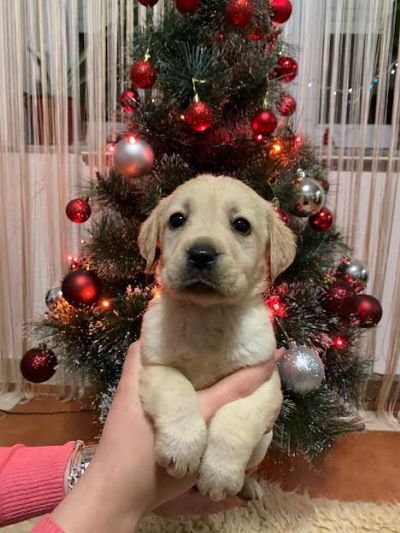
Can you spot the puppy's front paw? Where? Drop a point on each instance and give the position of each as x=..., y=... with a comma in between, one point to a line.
x=179, y=448
x=219, y=479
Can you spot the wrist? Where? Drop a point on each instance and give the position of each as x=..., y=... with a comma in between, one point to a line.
x=80, y=459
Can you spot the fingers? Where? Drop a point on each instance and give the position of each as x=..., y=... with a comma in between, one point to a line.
x=233, y=387
x=279, y=354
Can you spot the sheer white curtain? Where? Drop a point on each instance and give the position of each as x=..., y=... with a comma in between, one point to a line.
x=349, y=88
x=62, y=66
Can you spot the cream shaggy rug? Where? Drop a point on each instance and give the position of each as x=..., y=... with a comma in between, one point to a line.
x=285, y=512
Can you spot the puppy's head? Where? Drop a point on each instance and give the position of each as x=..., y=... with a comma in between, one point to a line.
x=216, y=237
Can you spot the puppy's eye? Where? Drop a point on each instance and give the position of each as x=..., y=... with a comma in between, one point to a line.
x=176, y=220
x=241, y=225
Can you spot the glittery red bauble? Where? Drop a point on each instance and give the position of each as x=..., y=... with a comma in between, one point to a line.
x=286, y=70
x=255, y=35
x=143, y=74
x=283, y=215
x=187, y=6
x=366, y=309
x=78, y=210
x=129, y=100
x=81, y=287
x=287, y=105
x=281, y=10
x=38, y=365
x=148, y=3
x=337, y=298
x=264, y=122
x=321, y=220
x=239, y=12
x=199, y=116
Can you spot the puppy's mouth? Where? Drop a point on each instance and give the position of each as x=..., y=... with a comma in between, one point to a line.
x=200, y=287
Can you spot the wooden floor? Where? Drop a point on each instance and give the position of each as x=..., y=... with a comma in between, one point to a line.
x=362, y=467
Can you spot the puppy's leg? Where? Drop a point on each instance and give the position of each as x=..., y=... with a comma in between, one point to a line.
x=233, y=434
x=181, y=433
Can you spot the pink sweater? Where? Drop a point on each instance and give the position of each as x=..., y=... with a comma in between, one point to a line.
x=32, y=483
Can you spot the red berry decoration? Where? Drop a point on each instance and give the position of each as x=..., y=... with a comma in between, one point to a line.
x=283, y=215
x=366, y=309
x=78, y=210
x=199, y=116
x=264, y=122
x=287, y=106
x=81, y=287
x=255, y=35
x=143, y=74
x=239, y=12
x=281, y=10
x=187, y=6
x=148, y=3
x=129, y=100
x=321, y=220
x=38, y=364
x=337, y=298
x=286, y=70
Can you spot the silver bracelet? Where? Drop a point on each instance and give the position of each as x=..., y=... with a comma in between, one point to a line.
x=79, y=461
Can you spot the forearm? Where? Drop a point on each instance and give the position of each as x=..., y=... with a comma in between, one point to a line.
x=92, y=506
x=31, y=480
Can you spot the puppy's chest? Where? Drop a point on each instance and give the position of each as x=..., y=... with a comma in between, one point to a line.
x=207, y=345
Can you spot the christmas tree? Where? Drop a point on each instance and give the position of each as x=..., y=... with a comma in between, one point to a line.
x=209, y=91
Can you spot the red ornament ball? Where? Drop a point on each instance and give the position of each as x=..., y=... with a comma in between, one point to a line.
x=286, y=70
x=199, y=116
x=239, y=12
x=148, y=3
x=287, y=105
x=321, y=220
x=187, y=6
x=129, y=100
x=366, y=309
x=264, y=122
x=78, y=210
x=81, y=287
x=337, y=298
x=283, y=215
x=281, y=10
x=38, y=364
x=143, y=74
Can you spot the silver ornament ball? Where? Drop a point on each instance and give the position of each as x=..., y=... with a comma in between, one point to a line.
x=301, y=369
x=133, y=157
x=310, y=197
x=355, y=272
x=53, y=296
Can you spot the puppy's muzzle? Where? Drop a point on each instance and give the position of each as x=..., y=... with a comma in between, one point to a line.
x=201, y=256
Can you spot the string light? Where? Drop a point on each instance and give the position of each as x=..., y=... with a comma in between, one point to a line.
x=276, y=305
x=276, y=149
x=105, y=303
x=339, y=342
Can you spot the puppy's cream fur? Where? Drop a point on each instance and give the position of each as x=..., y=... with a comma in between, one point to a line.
x=192, y=338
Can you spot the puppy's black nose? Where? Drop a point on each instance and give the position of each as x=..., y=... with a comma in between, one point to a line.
x=202, y=255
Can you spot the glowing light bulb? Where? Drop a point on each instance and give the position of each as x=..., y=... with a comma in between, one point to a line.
x=339, y=342
x=105, y=303
x=132, y=139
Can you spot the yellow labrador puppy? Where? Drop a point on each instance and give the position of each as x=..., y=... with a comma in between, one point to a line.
x=215, y=237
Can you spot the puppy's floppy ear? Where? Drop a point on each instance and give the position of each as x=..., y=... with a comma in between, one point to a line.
x=282, y=244
x=148, y=236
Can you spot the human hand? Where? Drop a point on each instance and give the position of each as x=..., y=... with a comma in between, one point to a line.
x=124, y=481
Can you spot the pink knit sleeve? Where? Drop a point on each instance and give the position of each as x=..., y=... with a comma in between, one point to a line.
x=31, y=480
